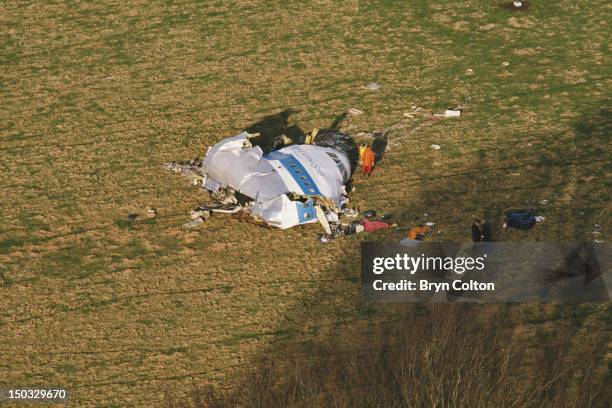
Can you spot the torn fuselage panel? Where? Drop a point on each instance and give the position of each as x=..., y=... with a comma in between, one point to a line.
x=303, y=170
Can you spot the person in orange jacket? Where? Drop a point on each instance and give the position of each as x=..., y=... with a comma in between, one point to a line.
x=418, y=232
x=367, y=161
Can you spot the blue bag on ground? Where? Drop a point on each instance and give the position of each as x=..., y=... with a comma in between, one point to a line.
x=520, y=219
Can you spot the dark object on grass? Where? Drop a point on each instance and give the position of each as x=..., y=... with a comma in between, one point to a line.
x=387, y=217
x=487, y=234
x=476, y=231
x=132, y=217
x=520, y=219
x=369, y=213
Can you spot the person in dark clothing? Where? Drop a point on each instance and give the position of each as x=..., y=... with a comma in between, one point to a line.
x=487, y=234
x=476, y=231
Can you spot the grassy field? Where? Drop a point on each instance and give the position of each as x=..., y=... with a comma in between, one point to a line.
x=96, y=95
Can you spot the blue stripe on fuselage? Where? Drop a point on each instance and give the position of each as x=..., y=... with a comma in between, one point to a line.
x=297, y=171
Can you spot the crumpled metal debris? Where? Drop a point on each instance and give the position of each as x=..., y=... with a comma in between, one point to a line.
x=193, y=223
x=184, y=168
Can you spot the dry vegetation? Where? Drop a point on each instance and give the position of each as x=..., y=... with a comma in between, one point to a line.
x=438, y=356
x=96, y=95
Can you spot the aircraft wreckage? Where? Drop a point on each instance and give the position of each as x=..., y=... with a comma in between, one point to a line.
x=279, y=183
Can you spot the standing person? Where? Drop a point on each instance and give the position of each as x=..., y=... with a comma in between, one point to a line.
x=361, y=150
x=476, y=231
x=487, y=234
x=367, y=161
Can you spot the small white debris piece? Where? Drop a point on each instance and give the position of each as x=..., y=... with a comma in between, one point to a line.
x=452, y=113
x=193, y=223
x=469, y=71
x=506, y=63
x=322, y=219
x=373, y=86
x=430, y=224
x=598, y=241
x=518, y=4
x=539, y=218
x=414, y=111
x=544, y=202
x=195, y=214
x=354, y=111
x=435, y=146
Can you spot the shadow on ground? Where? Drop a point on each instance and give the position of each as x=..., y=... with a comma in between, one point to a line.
x=394, y=355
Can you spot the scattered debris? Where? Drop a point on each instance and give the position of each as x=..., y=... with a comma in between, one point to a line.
x=350, y=212
x=193, y=223
x=452, y=113
x=544, y=202
x=516, y=5
x=367, y=224
x=204, y=214
x=435, y=146
x=373, y=86
x=322, y=219
x=132, y=217
x=414, y=111
x=324, y=238
x=151, y=212
x=354, y=111
x=505, y=63
x=522, y=219
x=588, y=178
x=278, y=184
x=190, y=169
x=469, y=71
x=223, y=208
x=369, y=213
